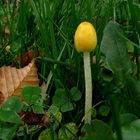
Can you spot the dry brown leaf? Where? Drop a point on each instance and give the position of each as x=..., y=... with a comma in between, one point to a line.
x=12, y=80
x=26, y=57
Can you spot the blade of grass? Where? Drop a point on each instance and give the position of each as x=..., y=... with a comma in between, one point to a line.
x=51, y=28
x=50, y=75
x=43, y=30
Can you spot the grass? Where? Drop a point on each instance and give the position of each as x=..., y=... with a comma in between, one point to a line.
x=47, y=27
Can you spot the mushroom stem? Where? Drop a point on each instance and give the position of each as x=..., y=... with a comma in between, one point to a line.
x=88, y=87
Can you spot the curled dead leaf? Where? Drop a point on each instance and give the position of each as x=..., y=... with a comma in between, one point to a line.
x=13, y=80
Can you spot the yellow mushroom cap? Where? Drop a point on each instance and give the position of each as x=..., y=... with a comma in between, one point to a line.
x=85, y=38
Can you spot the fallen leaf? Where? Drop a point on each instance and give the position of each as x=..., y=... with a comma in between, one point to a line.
x=13, y=80
x=26, y=57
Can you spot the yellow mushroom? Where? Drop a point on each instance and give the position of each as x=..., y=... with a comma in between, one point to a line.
x=85, y=37
x=85, y=41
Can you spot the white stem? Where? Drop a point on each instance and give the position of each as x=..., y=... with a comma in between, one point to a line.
x=88, y=87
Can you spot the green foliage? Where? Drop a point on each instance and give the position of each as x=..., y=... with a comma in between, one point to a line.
x=48, y=134
x=47, y=27
x=65, y=99
x=130, y=126
x=113, y=46
x=127, y=118
x=104, y=110
x=131, y=131
x=62, y=100
x=134, y=10
x=7, y=131
x=68, y=131
x=97, y=130
x=32, y=95
x=75, y=94
x=13, y=104
x=9, y=116
x=54, y=112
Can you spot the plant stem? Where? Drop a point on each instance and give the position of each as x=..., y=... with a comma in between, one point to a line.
x=88, y=87
x=114, y=10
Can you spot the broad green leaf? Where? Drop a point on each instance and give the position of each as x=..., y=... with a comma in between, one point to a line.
x=68, y=106
x=56, y=115
x=9, y=116
x=31, y=94
x=132, y=131
x=68, y=131
x=98, y=130
x=38, y=107
x=8, y=131
x=75, y=94
x=114, y=47
x=53, y=110
x=57, y=119
x=62, y=100
x=60, y=97
x=48, y=134
x=127, y=118
x=13, y=104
